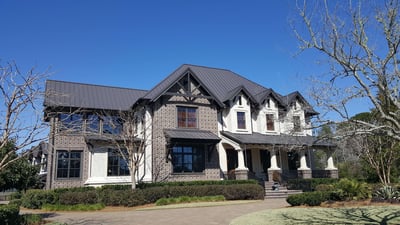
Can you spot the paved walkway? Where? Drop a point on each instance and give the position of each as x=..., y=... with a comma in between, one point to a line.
x=179, y=216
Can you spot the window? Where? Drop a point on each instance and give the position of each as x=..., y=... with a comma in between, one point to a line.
x=240, y=100
x=296, y=124
x=71, y=122
x=241, y=120
x=92, y=123
x=270, y=122
x=187, y=117
x=189, y=158
x=116, y=165
x=68, y=164
x=112, y=125
x=269, y=103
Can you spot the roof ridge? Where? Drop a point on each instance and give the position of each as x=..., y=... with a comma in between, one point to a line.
x=208, y=67
x=96, y=85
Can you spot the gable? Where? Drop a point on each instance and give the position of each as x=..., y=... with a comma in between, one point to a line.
x=188, y=87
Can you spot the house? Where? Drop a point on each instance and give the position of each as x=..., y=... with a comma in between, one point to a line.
x=202, y=124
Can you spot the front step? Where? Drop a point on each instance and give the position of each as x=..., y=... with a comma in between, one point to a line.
x=280, y=192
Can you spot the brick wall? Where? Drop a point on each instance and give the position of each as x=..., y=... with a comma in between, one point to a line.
x=165, y=116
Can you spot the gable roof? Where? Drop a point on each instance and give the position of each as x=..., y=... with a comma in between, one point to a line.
x=220, y=84
x=77, y=95
x=292, y=97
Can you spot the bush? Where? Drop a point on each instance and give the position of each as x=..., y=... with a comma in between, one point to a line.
x=353, y=190
x=308, y=185
x=324, y=187
x=127, y=198
x=34, y=199
x=9, y=214
x=187, y=199
x=386, y=193
x=73, y=198
x=310, y=198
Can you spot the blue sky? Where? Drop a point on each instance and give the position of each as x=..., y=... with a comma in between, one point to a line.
x=136, y=44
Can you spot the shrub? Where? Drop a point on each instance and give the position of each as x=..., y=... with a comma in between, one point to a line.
x=122, y=197
x=386, y=193
x=9, y=214
x=353, y=190
x=324, y=187
x=73, y=198
x=307, y=185
x=309, y=198
x=34, y=199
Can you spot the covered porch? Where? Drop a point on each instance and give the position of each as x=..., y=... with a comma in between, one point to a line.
x=274, y=157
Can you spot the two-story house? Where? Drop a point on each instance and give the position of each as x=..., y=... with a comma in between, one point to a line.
x=202, y=124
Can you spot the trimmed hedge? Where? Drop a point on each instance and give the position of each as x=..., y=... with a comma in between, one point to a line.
x=9, y=214
x=35, y=198
x=308, y=185
x=150, y=195
x=123, y=195
x=313, y=198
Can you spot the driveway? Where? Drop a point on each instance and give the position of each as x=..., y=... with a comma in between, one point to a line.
x=199, y=215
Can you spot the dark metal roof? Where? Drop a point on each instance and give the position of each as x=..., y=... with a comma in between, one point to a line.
x=77, y=95
x=191, y=134
x=221, y=84
x=263, y=139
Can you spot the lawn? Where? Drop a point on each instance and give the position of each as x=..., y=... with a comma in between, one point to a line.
x=317, y=215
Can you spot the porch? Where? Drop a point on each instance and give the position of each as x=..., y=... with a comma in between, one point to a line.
x=275, y=157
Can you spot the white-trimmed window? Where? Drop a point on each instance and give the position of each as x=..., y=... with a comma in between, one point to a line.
x=270, y=122
x=241, y=120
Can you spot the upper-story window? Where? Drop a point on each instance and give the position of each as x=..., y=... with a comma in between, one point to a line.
x=93, y=123
x=240, y=100
x=296, y=124
x=71, y=122
x=268, y=103
x=187, y=117
x=270, y=122
x=241, y=120
x=112, y=125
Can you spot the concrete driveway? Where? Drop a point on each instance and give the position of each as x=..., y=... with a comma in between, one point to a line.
x=197, y=215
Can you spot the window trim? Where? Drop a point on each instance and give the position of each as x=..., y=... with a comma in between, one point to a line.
x=238, y=122
x=272, y=119
x=297, y=124
x=200, y=152
x=186, y=121
x=115, y=153
x=68, y=177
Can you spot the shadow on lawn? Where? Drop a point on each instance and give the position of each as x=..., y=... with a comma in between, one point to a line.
x=362, y=215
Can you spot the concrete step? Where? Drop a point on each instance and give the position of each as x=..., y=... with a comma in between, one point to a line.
x=280, y=193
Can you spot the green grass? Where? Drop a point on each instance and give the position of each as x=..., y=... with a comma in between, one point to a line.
x=347, y=215
x=78, y=207
x=187, y=199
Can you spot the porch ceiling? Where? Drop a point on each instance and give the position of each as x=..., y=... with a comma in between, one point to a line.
x=264, y=139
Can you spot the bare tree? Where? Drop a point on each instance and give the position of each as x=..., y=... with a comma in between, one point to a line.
x=21, y=112
x=133, y=138
x=361, y=41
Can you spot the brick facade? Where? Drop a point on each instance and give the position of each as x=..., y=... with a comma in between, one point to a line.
x=165, y=116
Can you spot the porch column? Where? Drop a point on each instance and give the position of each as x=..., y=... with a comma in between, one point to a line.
x=303, y=171
x=241, y=172
x=274, y=172
x=241, y=164
x=274, y=162
x=303, y=161
x=330, y=168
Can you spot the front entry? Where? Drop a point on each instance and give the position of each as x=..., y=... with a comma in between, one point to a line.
x=232, y=162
